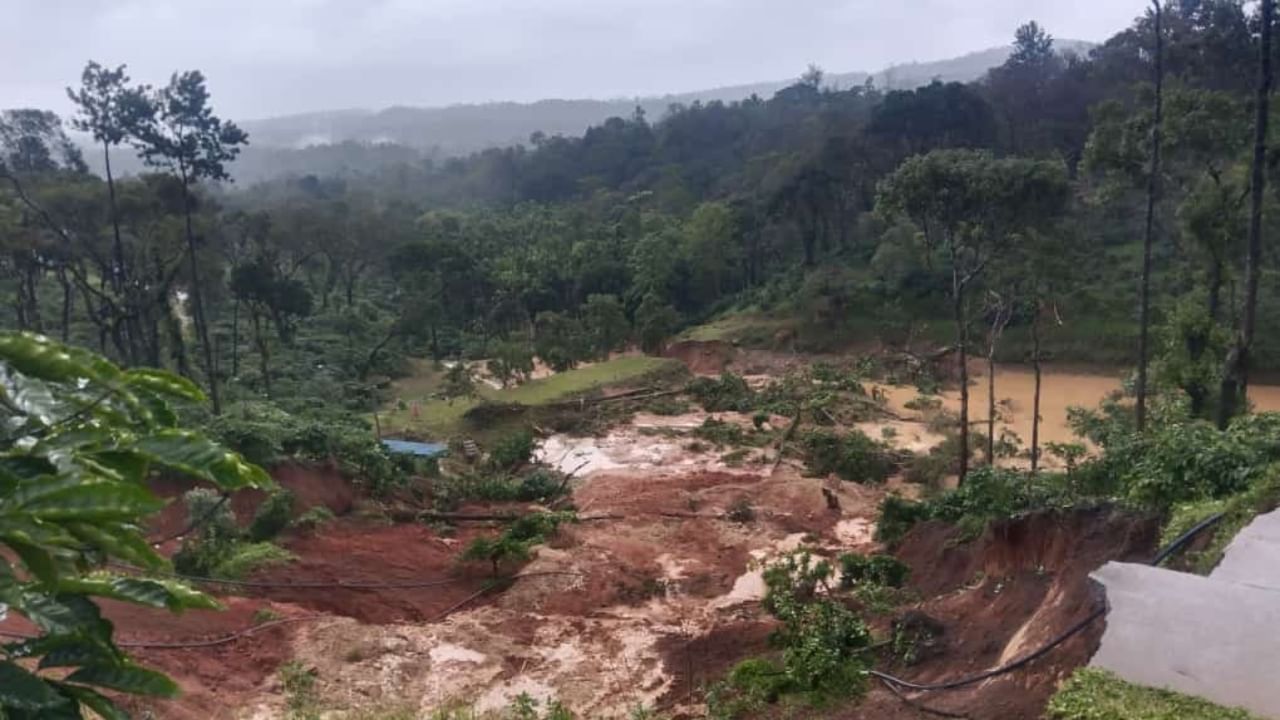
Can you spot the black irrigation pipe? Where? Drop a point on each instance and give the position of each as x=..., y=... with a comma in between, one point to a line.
x=232, y=637
x=1043, y=650
x=317, y=585
x=188, y=644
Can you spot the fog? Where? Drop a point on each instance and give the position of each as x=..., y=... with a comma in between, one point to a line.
x=271, y=57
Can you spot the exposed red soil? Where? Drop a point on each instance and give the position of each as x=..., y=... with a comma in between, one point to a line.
x=216, y=679
x=709, y=357
x=311, y=485
x=355, y=551
x=1021, y=584
x=697, y=663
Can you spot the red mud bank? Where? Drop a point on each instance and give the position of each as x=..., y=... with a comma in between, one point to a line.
x=221, y=679
x=1000, y=597
x=311, y=485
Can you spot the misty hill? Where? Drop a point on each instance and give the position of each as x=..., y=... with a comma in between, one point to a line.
x=460, y=129
x=361, y=141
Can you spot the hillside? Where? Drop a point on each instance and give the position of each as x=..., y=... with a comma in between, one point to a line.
x=459, y=129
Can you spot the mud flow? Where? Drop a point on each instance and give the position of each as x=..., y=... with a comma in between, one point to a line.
x=652, y=597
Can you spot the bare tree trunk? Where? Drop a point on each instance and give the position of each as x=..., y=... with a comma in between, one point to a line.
x=197, y=302
x=1148, y=237
x=1035, y=401
x=65, y=319
x=235, y=338
x=32, y=300
x=1215, y=289
x=1235, y=376
x=264, y=357
x=962, y=348
x=1004, y=312
x=117, y=247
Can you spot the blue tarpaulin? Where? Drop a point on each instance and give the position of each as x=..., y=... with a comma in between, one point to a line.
x=409, y=447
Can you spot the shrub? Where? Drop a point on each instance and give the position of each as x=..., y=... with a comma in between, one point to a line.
x=929, y=468
x=541, y=485
x=897, y=516
x=247, y=558
x=214, y=536
x=513, y=544
x=882, y=570
x=313, y=518
x=727, y=393
x=272, y=516
x=512, y=450
x=823, y=644
x=988, y=493
x=751, y=686
x=721, y=433
x=853, y=456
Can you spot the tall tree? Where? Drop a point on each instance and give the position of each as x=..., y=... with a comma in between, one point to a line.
x=1235, y=375
x=110, y=111
x=186, y=138
x=973, y=206
x=1148, y=235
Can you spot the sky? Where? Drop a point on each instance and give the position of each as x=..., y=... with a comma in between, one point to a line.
x=272, y=57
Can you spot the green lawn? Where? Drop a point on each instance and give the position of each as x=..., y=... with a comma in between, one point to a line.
x=440, y=419
x=750, y=328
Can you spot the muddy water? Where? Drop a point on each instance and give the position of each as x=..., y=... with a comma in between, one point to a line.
x=1061, y=388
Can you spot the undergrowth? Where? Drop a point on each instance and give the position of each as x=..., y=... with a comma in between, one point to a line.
x=1093, y=694
x=513, y=544
x=823, y=647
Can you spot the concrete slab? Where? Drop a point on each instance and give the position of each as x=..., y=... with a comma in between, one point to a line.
x=1196, y=635
x=1253, y=557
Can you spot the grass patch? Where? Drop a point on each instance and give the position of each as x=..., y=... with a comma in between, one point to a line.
x=1238, y=511
x=414, y=410
x=1093, y=694
x=585, y=379
x=747, y=328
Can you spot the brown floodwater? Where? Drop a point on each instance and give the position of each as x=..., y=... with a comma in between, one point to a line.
x=1061, y=387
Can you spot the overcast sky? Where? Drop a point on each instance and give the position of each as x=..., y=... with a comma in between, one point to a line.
x=271, y=57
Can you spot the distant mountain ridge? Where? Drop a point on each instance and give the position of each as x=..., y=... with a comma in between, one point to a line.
x=461, y=129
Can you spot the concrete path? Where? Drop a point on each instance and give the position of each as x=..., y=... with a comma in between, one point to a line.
x=1216, y=637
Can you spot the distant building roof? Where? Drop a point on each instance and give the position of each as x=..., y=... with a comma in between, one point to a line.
x=409, y=447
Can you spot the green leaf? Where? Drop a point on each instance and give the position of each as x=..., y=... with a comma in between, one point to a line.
x=95, y=701
x=126, y=678
x=31, y=397
x=70, y=650
x=139, y=591
x=100, y=501
x=121, y=541
x=37, y=560
x=163, y=383
x=24, y=691
x=131, y=466
x=196, y=455
x=64, y=614
x=39, y=357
